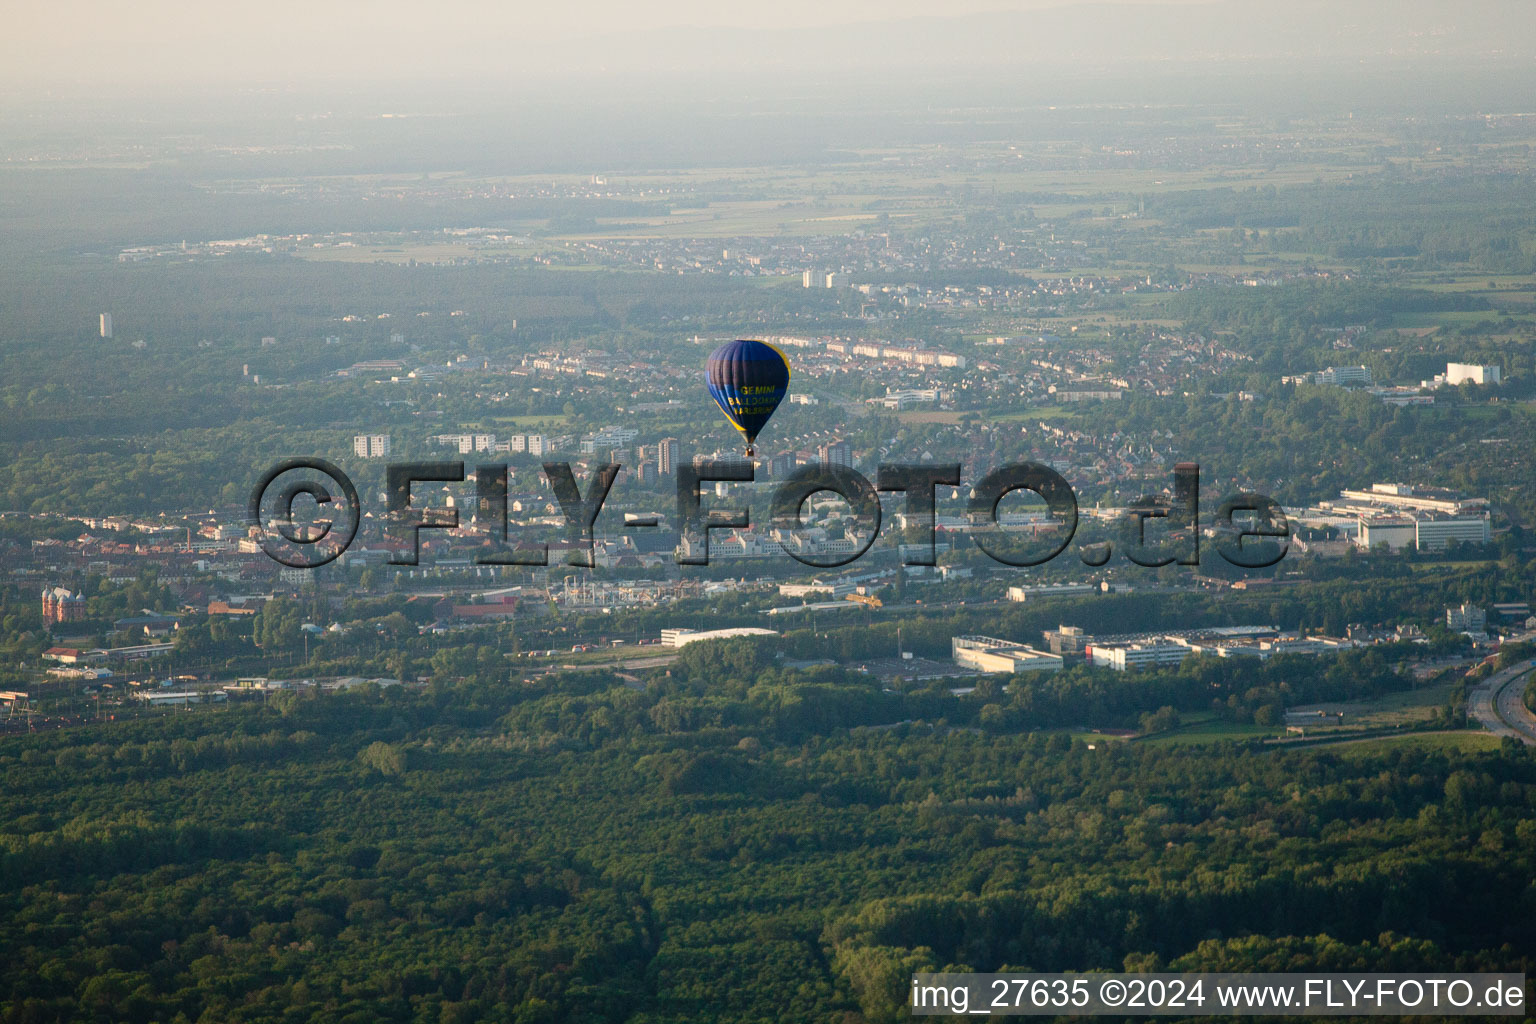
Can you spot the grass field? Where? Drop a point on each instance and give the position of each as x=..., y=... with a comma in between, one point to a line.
x=1466, y=742
x=1453, y=318
x=1210, y=729
x=1048, y=413
x=908, y=188
x=1397, y=709
x=1096, y=738
x=930, y=416
x=524, y=422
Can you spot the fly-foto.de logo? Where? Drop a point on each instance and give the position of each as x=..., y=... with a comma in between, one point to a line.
x=1251, y=529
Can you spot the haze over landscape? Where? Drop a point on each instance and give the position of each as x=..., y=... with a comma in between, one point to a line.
x=575, y=751
x=168, y=45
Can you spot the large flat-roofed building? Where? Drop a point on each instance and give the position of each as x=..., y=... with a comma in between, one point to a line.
x=1402, y=516
x=1052, y=590
x=989, y=654
x=1396, y=533
x=1423, y=531
x=139, y=652
x=174, y=698
x=1407, y=496
x=684, y=637
x=1067, y=640
x=1345, y=376
x=1145, y=654
x=1435, y=533
x=1164, y=650
x=1470, y=373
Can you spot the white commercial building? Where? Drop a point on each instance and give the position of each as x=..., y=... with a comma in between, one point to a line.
x=1393, y=532
x=1403, y=516
x=1147, y=654
x=1469, y=373
x=1424, y=531
x=988, y=654
x=1435, y=533
x=1052, y=590
x=1346, y=376
x=684, y=637
x=1407, y=496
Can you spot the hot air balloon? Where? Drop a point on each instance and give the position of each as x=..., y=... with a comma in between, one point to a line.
x=748, y=380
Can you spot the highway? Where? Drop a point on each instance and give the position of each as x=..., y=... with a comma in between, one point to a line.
x=1498, y=707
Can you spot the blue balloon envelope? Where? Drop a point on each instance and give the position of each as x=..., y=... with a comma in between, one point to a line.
x=748, y=380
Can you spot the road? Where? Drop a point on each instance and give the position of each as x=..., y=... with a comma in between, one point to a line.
x=1498, y=707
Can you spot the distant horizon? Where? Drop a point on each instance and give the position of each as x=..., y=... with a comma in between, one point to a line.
x=165, y=46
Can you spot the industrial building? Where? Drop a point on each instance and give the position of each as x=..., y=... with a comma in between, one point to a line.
x=1151, y=651
x=1054, y=590
x=1466, y=373
x=684, y=637
x=1400, y=516
x=175, y=698
x=988, y=654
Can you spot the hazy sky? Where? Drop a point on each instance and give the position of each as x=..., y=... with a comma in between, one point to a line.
x=57, y=43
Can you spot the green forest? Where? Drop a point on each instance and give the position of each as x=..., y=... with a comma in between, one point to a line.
x=722, y=844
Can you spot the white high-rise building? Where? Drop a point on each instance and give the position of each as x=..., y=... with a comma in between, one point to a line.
x=1464, y=373
x=371, y=446
x=1346, y=376
x=667, y=451
x=106, y=325
x=468, y=443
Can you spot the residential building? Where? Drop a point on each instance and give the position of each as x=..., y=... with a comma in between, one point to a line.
x=667, y=450
x=371, y=446
x=835, y=453
x=1083, y=393
x=467, y=443
x=1466, y=618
